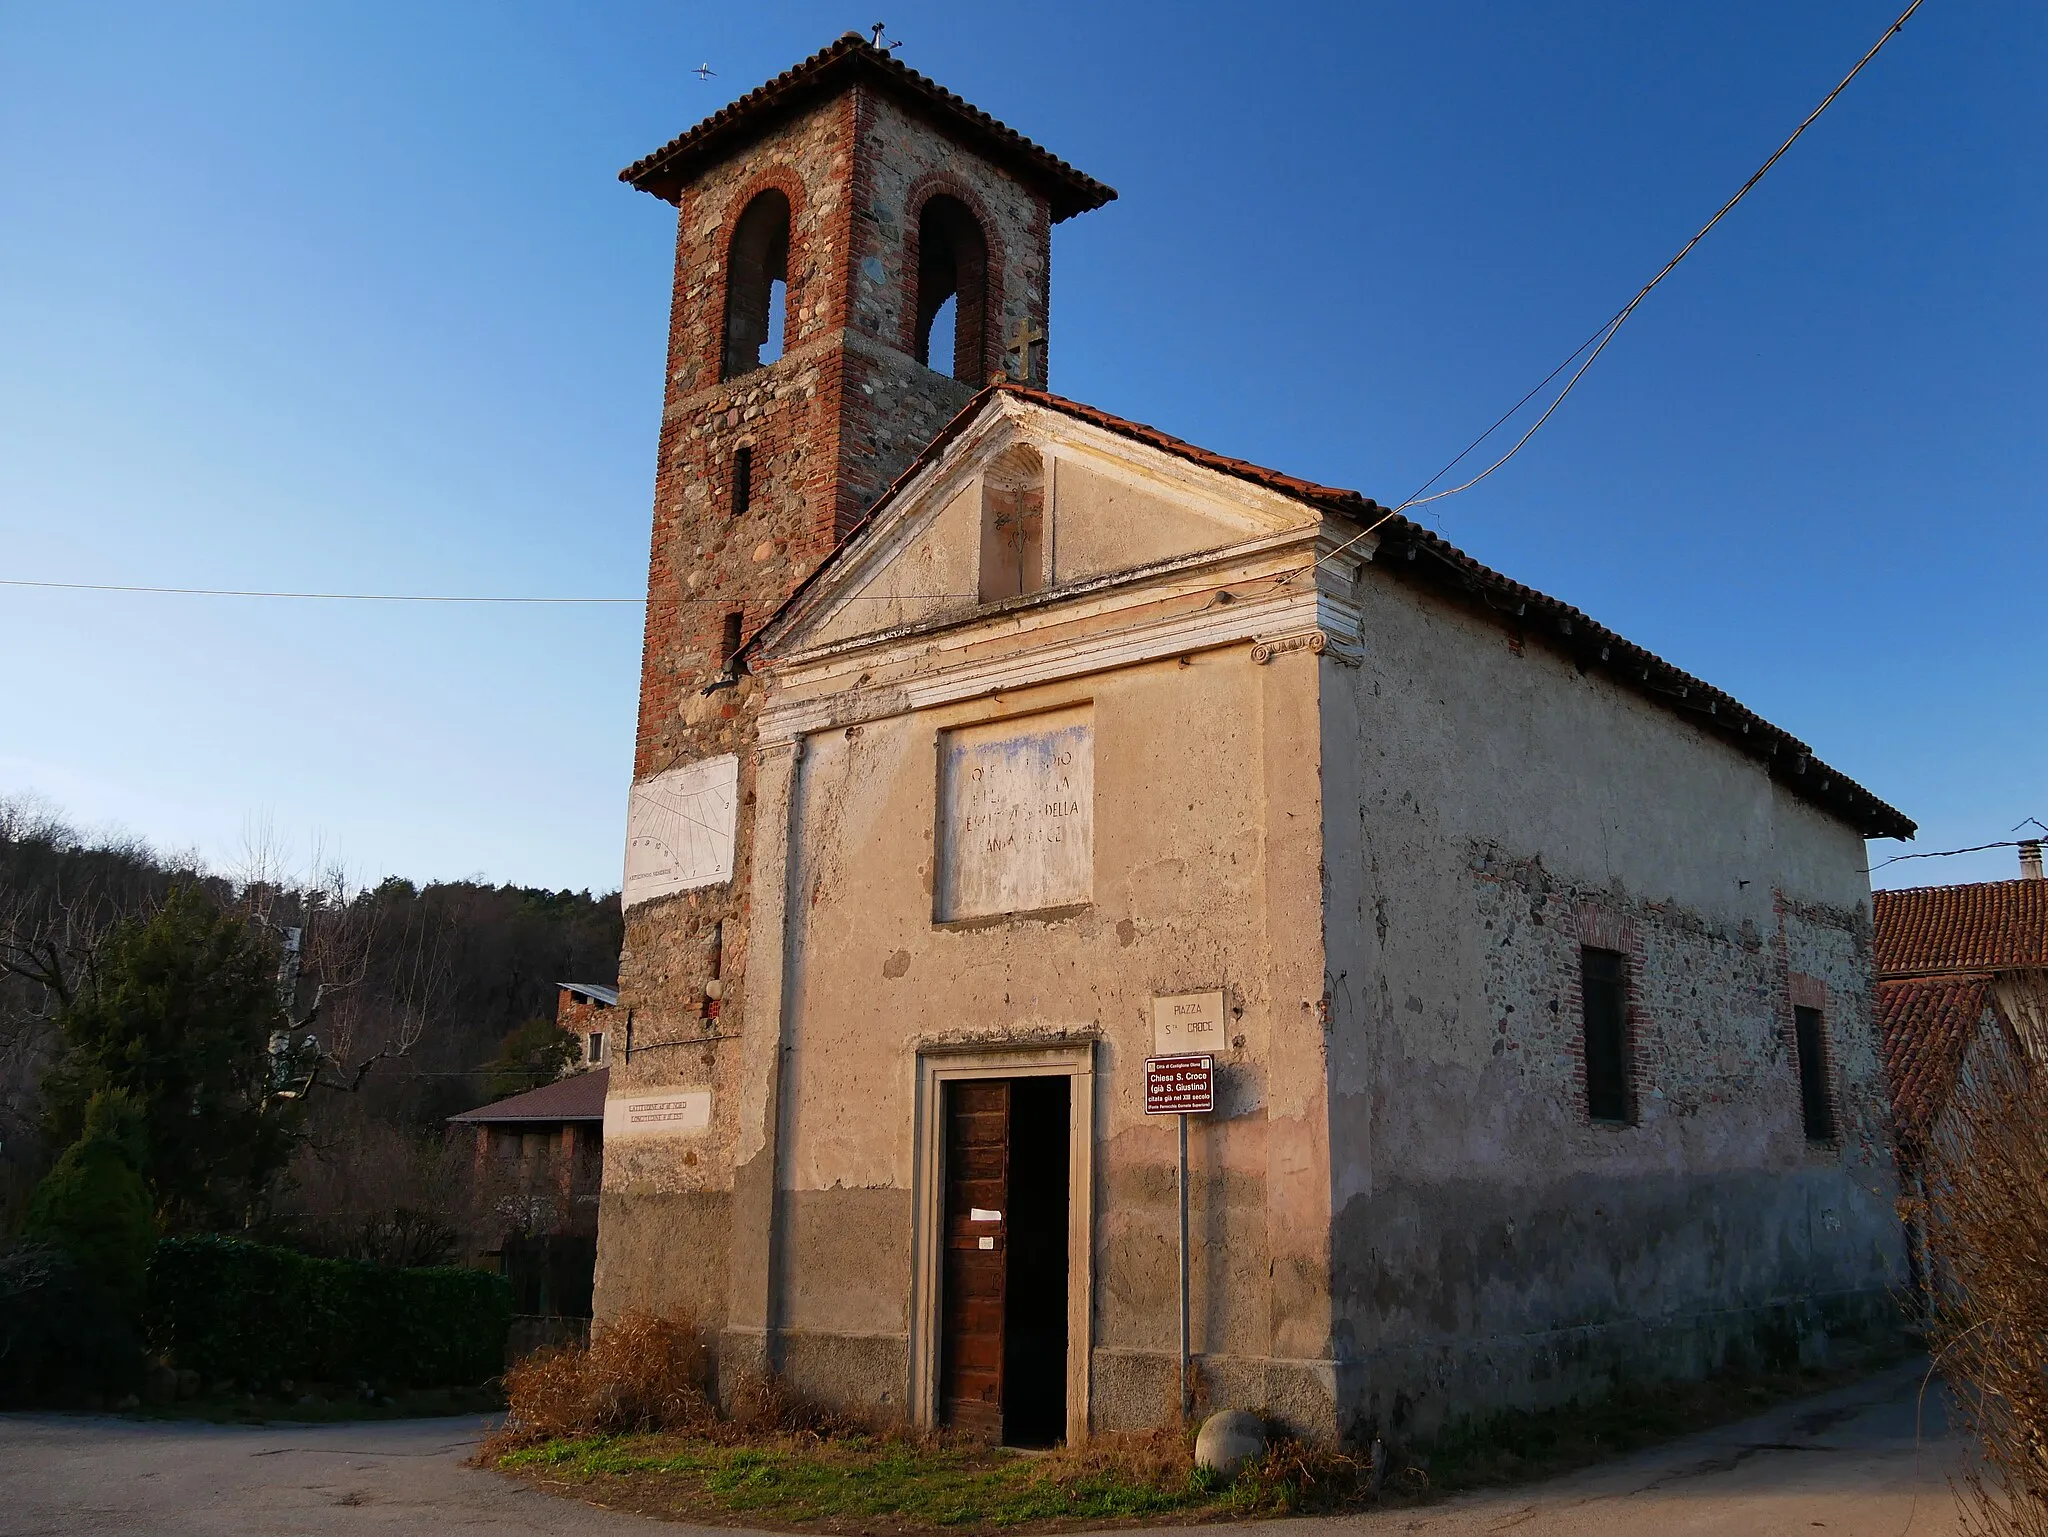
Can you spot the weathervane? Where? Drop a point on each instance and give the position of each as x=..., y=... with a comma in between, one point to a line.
x=889, y=47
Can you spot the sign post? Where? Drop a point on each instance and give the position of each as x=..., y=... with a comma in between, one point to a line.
x=1181, y=1086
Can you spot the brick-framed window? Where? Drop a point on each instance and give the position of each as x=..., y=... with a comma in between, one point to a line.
x=1603, y=1005
x=1816, y=1104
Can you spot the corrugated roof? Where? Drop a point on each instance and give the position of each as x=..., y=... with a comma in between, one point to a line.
x=1983, y=926
x=850, y=60
x=1410, y=552
x=1925, y=1026
x=579, y=1097
x=605, y=995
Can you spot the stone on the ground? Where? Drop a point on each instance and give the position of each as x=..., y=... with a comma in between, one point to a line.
x=1229, y=1440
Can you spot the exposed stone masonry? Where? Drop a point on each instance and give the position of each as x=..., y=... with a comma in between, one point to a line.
x=829, y=424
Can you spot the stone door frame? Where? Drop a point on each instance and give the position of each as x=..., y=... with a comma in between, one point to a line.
x=937, y=1065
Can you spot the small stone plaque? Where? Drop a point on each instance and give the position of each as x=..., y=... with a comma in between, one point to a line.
x=1188, y=1022
x=670, y=1113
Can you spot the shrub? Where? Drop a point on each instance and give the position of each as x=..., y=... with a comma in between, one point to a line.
x=93, y=1204
x=1984, y=1202
x=640, y=1373
x=231, y=1309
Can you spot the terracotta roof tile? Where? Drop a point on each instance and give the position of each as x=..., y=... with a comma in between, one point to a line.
x=1402, y=543
x=854, y=59
x=1984, y=926
x=1925, y=1026
x=579, y=1097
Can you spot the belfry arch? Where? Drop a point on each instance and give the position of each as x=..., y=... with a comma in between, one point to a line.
x=756, y=261
x=952, y=263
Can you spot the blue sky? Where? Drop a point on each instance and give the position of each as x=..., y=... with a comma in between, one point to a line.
x=347, y=298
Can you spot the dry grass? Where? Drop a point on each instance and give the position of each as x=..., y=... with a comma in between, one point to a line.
x=641, y=1373
x=1983, y=1206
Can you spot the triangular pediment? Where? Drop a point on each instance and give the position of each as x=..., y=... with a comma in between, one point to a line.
x=1095, y=502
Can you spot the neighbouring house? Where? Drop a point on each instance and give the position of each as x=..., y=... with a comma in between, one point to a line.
x=585, y=1010
x=538, y=1161
x=991, y=745
x=1962, y=974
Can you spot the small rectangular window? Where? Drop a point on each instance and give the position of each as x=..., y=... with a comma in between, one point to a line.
x=742, y=479
x=1603, y=983
x=596, y=1046
x=1814, y=1103
x=729, y=642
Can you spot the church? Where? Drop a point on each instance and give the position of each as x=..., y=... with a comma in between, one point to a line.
x=992, y=747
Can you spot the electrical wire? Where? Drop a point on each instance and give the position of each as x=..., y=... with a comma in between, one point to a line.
x=1598, y=342
x=406, y=597
x=1600, y=338
x=1975, y=848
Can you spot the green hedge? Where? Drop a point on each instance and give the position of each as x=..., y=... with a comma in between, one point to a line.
x=230, y=1309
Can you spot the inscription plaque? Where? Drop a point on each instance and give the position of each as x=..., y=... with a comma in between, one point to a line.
x=1016, y=816
x=669, y=1113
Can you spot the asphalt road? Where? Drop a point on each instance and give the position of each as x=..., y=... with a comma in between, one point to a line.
x=1848, y=1463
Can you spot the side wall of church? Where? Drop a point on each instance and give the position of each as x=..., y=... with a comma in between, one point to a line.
x=1203, y=877
x=1491, y=809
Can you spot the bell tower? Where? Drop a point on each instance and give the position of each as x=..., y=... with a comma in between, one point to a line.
x=858, y=251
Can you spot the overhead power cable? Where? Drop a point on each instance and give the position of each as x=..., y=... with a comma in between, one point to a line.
x=409, y=597
x=1598, y=341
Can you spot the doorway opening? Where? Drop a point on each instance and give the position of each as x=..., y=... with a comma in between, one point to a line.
x=1003, y=1284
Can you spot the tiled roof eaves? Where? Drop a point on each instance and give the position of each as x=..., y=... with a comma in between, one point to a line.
x=667, y=170
x=1589, y=644
x=1924, y=1031
x=1971, y=926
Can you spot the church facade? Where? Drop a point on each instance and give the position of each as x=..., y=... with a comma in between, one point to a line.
x=991, y=745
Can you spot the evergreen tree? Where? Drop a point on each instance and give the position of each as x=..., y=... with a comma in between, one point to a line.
x=177, y=1011
x=94, y=1205
x=538, y=1052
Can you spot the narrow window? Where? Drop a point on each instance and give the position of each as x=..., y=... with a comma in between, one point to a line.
x=1813, y=1076
x=756, y=275
x=1013, y=525
x=729, y=642
x=596, y=1047
x=952, y=264
x=718, y=950
x=1603, y=982
x=742, y=479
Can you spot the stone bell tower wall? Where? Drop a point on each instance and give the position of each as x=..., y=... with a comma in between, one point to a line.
x=827, y=426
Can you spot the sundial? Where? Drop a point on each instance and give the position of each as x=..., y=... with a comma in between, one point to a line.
x=679, y=829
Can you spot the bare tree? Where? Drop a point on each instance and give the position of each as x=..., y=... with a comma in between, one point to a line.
x=1983, y=1206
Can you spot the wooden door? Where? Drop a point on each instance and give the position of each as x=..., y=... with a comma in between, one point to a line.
x=971, y=1290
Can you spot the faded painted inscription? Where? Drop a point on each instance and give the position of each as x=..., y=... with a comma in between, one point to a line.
x=1017, y=816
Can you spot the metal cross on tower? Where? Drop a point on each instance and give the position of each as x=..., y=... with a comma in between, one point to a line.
x=1022, y=340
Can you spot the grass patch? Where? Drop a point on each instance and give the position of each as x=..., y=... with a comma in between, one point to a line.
x=877, y=1483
